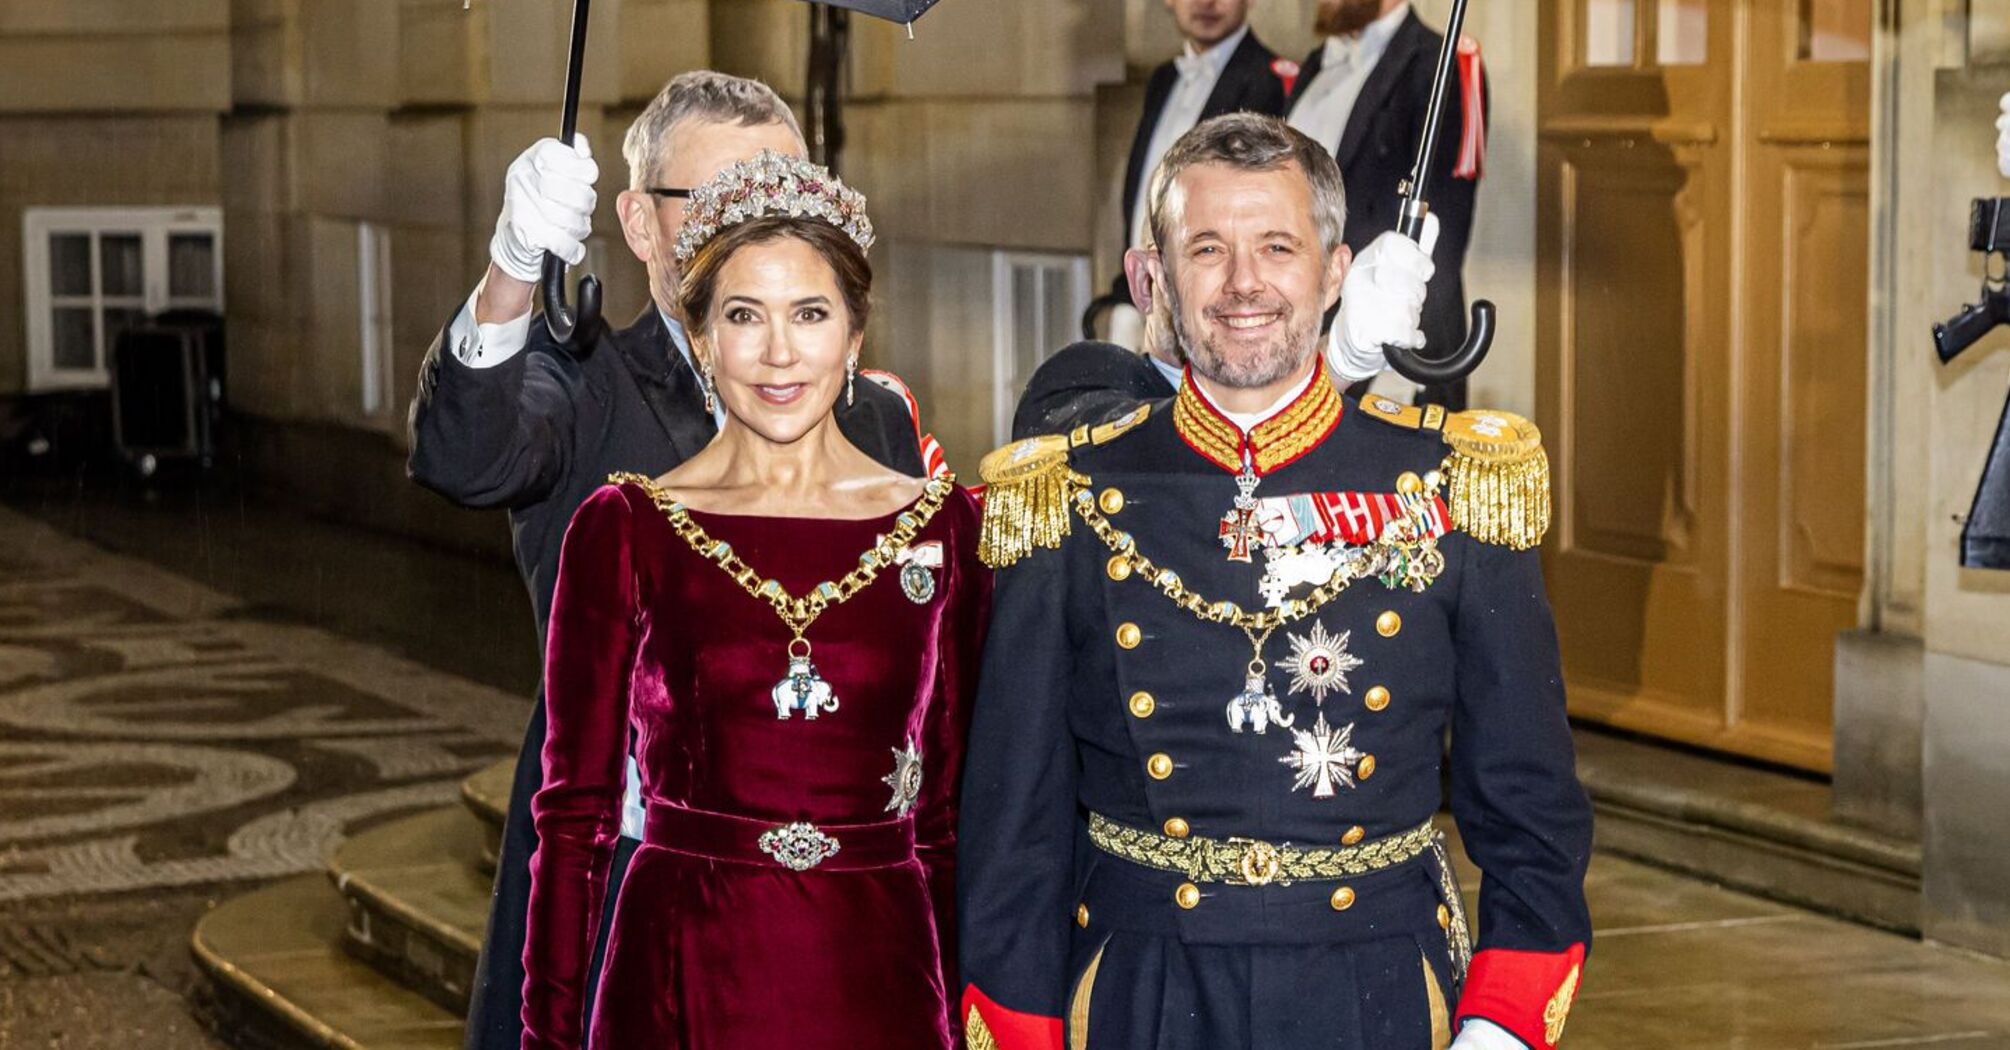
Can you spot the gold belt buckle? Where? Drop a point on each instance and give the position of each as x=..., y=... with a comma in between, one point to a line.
x=1260, y=861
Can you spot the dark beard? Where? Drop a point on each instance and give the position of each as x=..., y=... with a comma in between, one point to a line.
x=1345, y=17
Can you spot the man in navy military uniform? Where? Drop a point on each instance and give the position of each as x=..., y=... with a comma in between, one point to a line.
x=1229, y=636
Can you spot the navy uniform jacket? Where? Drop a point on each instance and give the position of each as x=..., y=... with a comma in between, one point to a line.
x=1100, y=695
x=1375, y=152
x=537, y=434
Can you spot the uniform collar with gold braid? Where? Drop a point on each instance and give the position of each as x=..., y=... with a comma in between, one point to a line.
x=1289, y=433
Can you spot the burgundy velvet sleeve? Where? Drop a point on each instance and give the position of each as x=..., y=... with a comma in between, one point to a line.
x=588, y=653
x=960, y=647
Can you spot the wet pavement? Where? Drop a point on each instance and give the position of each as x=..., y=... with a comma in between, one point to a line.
x=164, y=745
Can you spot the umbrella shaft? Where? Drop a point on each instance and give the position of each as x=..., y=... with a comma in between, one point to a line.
x=569, y=122
x=1433, y=115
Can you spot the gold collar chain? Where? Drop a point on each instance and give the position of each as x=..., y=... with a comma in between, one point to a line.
x=1256, y=625
x=799, y=612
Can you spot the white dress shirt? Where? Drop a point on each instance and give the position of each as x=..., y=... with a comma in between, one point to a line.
x=478, y=345
x=1327, y=102
x=1199, y=71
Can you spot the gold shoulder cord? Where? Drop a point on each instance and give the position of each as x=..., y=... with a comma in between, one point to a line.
x=798, y=612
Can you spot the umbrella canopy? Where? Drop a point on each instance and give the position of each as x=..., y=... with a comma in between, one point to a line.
x=902, y=11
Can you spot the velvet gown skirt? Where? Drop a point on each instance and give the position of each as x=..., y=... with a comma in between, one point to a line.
x=717, y=955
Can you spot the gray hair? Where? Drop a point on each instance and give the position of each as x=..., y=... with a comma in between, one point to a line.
x=1249, y=142
x=698, y=95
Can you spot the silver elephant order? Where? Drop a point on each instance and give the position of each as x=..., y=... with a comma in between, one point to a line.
x=802, y=689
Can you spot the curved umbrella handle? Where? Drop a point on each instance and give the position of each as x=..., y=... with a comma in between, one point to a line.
x=574, y=331
x=1437, y=371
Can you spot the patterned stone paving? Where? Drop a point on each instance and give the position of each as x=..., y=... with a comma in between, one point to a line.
x=152, y=736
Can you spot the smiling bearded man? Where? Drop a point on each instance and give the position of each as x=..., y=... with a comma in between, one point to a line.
x=1137, y=874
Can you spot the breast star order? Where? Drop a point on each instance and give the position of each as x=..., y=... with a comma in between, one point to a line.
x=905, y=780
x=1320, y=662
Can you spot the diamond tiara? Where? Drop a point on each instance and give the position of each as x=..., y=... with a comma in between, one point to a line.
x=770, y=184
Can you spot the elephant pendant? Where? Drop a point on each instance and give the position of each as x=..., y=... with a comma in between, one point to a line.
x=802, y=689
x=1257, y=707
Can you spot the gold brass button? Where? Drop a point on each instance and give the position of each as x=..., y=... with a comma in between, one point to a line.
x=1082, y=915
x=1142, y=704
x=1119, y=567
x=1112, y=500
x=1187, y=896
x=1176, y=828
x=1354, y=836
x=1128, y=635
x=1367, y=767
x=1388, y=624
x=1377, y=698
x=1159, y=766
x=1408, y=483
x=1444, y=917
x=1343, y=898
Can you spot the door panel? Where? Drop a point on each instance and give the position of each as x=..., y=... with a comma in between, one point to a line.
x=1702, y=226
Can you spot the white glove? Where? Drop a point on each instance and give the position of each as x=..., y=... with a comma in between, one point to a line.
x=1382, y=302
x=548, y=203
x=2003, y=138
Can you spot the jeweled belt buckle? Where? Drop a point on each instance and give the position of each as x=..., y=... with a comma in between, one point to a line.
x=1259, y=864
x=798, y=846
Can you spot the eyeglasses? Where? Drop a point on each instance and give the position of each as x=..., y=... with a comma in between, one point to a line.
x=667, y=191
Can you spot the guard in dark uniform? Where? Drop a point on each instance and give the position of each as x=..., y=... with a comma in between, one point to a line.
x=1209, y=740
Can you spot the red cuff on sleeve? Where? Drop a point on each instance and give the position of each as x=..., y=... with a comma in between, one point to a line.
x=1527, y=993
x=988, y=1026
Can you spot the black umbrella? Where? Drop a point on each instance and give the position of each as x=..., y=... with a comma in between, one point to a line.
x=1410, y=221
x=574, y=331
x=901, y=11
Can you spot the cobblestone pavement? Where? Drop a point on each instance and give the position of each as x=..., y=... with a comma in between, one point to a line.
x=160, y=750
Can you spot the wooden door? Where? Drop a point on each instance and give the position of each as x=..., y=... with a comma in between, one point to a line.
x=1702, y=236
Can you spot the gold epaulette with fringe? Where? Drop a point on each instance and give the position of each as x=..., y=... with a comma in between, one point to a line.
x=1497, y=478
x=1029, y=487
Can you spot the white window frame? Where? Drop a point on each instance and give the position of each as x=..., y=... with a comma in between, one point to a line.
x=154, y=226
x=1005, y=385
x=373, y=307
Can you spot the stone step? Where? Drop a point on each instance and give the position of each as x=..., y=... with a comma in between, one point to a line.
x=281, y=980
x=418, y=900
x=486, y=795
x=1760, y=830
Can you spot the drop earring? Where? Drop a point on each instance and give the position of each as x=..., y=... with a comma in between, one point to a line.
x=711, y=389
x=850, y=379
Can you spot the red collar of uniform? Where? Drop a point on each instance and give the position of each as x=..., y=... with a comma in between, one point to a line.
x=1289, y=433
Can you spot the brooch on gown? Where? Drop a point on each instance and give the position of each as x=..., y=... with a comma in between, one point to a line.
x=905, y=780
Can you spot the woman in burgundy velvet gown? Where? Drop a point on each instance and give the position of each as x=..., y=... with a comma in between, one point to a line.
x=784, y=635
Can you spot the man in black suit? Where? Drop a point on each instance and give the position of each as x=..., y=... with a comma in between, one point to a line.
x=1223, y=69
x=505, y=417
x=1364, y=94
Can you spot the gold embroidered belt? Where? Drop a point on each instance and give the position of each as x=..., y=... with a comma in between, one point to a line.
x=1249, y=862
